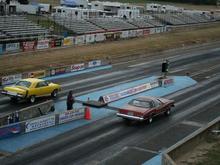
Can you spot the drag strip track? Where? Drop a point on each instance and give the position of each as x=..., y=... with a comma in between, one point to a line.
x=101, y=142
x=183, y=63
x=111, y=141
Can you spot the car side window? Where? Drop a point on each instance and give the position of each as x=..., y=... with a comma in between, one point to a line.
x=41, y=84
x=157, y=103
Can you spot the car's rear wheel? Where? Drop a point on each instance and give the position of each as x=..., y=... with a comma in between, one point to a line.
x=127, y=121
x=150, y=119
x=32, y=99
x=167, y=113
x=54, y=93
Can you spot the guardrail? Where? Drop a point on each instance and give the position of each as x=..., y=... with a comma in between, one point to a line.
x=186, y=144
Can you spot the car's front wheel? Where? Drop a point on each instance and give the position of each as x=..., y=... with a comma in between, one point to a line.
x=54, y=93
x=32, y=99
x=150, y=119
x=14, y=99
x=167, y=113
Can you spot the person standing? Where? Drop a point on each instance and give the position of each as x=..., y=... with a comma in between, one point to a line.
x=70, y=100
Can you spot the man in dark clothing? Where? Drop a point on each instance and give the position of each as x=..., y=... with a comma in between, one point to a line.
x=70, y=100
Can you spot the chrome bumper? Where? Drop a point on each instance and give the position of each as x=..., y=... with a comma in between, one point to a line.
x=12, y=94
x=130, y=117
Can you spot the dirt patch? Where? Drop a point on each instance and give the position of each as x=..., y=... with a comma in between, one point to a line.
x=205, y=153
x=109, y=50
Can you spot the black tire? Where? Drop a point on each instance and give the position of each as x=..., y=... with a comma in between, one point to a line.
x=168, y=112
x=127, y=121
x=32, y=99
x=54, y=93
x=14, y=99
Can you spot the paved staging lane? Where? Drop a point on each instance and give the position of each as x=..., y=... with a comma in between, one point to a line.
x=111, y=141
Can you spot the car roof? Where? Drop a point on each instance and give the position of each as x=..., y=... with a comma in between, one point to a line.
x=146, y=98
x=32, y=80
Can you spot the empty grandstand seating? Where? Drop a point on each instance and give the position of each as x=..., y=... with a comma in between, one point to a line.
x=169, y=19
x=140, y=22
x=19, y=26
x=112, y=24
x=77, y=26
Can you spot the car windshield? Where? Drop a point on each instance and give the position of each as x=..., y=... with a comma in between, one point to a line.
x=23, y=84
x=140, y=103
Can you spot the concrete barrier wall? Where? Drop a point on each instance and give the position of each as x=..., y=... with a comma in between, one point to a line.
x=185, y=145
x=30, y=112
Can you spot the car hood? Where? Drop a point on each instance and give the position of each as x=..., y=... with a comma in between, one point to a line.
x=17, y=89
x=135, y=109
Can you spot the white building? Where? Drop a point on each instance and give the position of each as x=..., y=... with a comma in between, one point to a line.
x=76, y=13
x=158, y=8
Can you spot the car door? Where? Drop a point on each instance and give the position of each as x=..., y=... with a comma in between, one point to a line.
x=158, y=106
x=42, y=89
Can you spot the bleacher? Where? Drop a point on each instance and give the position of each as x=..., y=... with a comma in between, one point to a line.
x=112, y=24
x=140, y=22
x=19, y=26
x=200, y=18
x=185, y=18
x=77, y=26
x=169, y=19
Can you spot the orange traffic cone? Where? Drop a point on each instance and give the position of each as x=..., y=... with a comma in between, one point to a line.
x=87, y=113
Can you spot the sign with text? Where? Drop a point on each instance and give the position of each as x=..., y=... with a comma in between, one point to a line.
x=40, y=123
x=28, y=46
x=130, y=91
x=68, y=41
x=10, y=130
x=37, y=74
x=1, y=49
x=71, y=115
x=94, y=63
x=77, y=67
x=43, y=44
x=12, y=47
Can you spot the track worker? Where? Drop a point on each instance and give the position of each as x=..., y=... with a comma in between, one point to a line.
x=70, y=100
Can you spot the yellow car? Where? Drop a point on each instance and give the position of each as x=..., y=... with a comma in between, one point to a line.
x=31, y=88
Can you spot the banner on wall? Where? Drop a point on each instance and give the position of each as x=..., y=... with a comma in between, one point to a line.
x=28, y=46
x=77, y=67
x=37, y=74
x=99, y=37
x=10, y=130
x=139, y=32
x=146, y=32
x=11, y=79
x=12, y=47
x=94, y=63
x=1, y=49
x=79, y=40
x=40, y=123
x=57, y=71
x=42, y=44
x=124, y=34
x=90, y=38
x=56, y=43
x=71, y=115
x=68, y=41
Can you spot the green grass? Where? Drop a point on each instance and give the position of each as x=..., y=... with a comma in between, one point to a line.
x=212, y=157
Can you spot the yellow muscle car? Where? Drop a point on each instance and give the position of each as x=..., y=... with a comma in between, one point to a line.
x=31, y=88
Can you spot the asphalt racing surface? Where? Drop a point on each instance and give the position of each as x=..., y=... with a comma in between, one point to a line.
x=110, y=140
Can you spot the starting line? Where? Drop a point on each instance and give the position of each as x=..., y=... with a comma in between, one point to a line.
x=22, y=141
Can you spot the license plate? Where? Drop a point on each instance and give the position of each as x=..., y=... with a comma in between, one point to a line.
x=130, y=113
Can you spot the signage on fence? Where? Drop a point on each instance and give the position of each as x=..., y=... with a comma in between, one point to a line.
x=71, y=115
x=28, y=46
x=90, y=38
x=1, y=49
x=94, y=63
x=68, y=41
x=57, y=71
x=11, y=47
x=43, y=44
x=40, y=123
x=99, y=37
x=10, y=130
x=37, y=74
x=77, y=67
x=55, y=43
x=11, y=79
x=124, y=34
x=146, y=32
x=80, y=40
x=130, y=91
